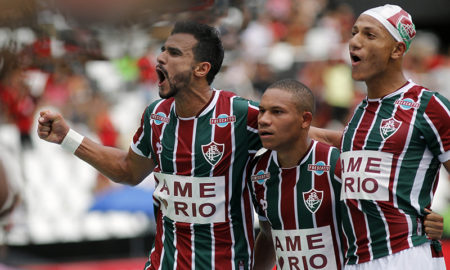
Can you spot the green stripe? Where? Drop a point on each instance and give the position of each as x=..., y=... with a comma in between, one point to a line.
x=241, y=142
x=202, y=137
x=377, y=230
x=169, y=247
x=272, y=196
x=350, y=132
x=168, y=141
x=304, y=216
x=203, y=248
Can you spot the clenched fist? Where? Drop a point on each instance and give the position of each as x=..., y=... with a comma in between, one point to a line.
x=52, y=127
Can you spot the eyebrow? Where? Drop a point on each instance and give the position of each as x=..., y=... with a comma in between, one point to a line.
x=169, y=48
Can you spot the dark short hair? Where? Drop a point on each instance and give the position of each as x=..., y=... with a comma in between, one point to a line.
x=303, y=95
x=209, y=47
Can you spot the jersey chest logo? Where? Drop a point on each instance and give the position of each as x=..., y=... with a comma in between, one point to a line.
x=407, y=103
x=388, y=127
x=222, y=120
x=313, y=199
x=213, y=152
x=319, y=168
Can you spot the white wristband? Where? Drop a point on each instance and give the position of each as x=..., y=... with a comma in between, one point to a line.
x=72, y=140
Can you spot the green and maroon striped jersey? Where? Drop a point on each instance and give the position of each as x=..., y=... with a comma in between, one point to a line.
x=391, y=152
x=203, y=207
x=302, y=205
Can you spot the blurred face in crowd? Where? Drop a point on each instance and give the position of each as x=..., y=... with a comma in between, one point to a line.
x=175, y=64
x=280, y=123
x=370, y=47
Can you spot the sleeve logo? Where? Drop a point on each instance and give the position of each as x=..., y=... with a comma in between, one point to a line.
x=160, y=118
x=313, y=199
x=260, y=177
x=213, y=152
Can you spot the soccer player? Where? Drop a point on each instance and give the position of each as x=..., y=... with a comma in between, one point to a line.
x=391, y=150
x=197, y=141
x=295, y=183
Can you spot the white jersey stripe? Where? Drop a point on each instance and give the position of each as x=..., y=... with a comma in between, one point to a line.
x=230, y=185
x=313, y=179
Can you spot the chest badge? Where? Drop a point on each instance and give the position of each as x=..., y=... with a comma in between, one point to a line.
x=313, y=199
x=388, y=127
x=213, y=152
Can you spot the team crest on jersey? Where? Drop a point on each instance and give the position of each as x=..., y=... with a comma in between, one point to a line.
x=313, y=199
x=213, y=152
x=407, y=103
x=222, y=120
x=388, y=127
x=260, y=177
x=319, y=168
x=160, y=118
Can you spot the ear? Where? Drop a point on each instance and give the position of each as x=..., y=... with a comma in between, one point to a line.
x=307, y=119
x=202, y=68
x=399, y=50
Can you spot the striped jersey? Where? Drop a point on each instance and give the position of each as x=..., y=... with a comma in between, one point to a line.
x=301, y=204
x=391, y=152
x=203, y=205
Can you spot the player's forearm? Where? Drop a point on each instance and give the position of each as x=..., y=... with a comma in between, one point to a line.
x=110, y=161
x=327, y=136
x=264, y=253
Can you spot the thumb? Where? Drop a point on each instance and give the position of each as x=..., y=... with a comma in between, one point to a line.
x=47, y=116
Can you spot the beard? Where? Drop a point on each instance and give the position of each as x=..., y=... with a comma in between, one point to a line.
x=178, y=82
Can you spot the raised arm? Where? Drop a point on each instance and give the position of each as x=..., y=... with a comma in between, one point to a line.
x=327, y=136
x=264, y=249
x=118, y=165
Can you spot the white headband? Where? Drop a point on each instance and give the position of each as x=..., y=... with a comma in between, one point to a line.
x=397, y=21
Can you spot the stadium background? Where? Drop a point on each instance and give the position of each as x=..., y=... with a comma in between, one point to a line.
x=93, y=60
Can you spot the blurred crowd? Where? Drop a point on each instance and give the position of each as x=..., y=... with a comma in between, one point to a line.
x=101, y=78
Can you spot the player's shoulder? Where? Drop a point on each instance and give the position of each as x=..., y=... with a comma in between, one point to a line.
x=425, y=95
x=321, y=146
x=160, y=105
x=240, y=104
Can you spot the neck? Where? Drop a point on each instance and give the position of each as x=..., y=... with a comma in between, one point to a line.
x=189, y=103
x=291, y=157
x=386, y=83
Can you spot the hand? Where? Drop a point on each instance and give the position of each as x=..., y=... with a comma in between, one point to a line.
x=52, y=127
x=434, y=225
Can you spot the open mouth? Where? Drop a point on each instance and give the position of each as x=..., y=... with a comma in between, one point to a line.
x=265, y=133
x=355, y=58
x=162, y=74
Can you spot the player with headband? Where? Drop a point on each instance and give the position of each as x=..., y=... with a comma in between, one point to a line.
x=391, y=150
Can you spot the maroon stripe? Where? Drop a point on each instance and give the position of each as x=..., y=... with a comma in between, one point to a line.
x=287, y=199
x=138, y=133
x=364, y=126
x=155, y=257
x=222, y=233
x=157, y=129
x=184, y=245
x=183, y=153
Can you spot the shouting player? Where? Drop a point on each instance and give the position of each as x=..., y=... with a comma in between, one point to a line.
x=391, y=150
x=197, y=140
